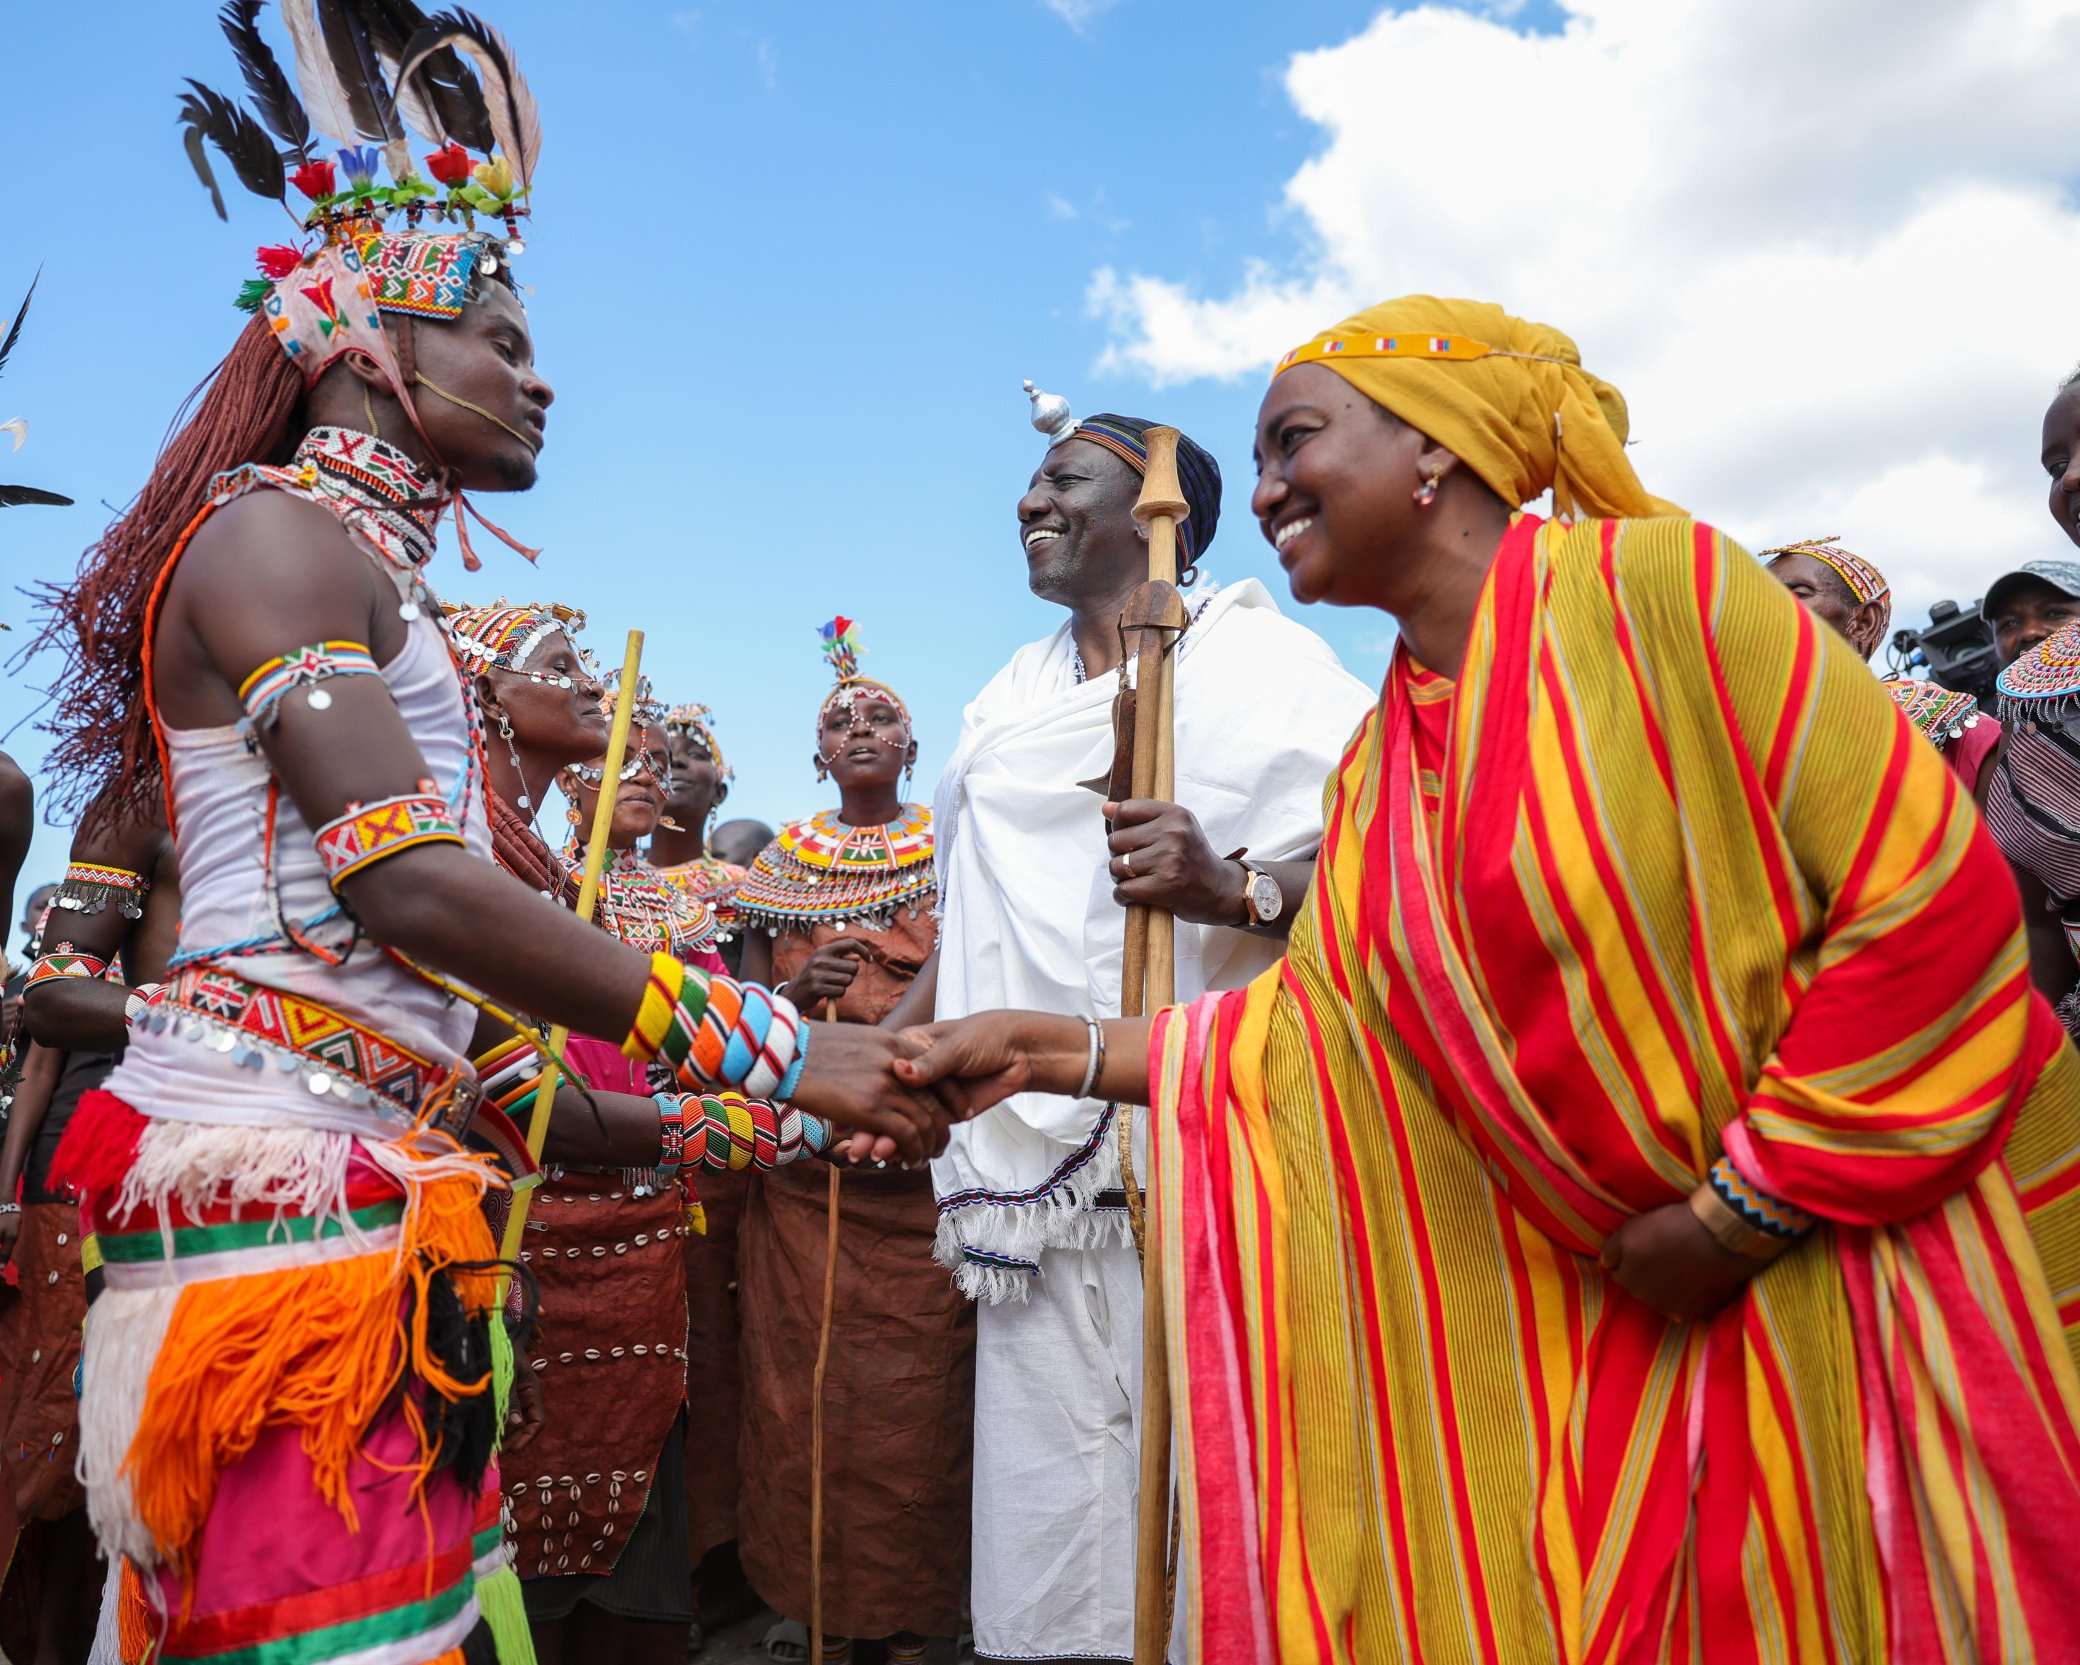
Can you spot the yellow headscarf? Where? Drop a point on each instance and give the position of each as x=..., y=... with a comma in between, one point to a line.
x=1509, y=398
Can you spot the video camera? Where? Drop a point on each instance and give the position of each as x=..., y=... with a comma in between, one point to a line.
x=1956, y=646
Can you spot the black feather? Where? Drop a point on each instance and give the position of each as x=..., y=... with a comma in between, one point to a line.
x=244, y=142
x=360, y=75
x=14, y=332
x=514, y=122
x=272, y=93
x=11, y=495
x=445, y=85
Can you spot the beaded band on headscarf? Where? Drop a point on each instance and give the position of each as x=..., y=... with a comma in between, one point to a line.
x=502, y=636
x=1866, y=582
x=1126, y=444
x=1510, y=399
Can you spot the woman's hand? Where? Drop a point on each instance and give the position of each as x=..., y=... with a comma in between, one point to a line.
x=850, y=1081
x=1667, y=1259
x=1160, y=857
x=827, y=974
x=10, y=1230
x=524, y=1412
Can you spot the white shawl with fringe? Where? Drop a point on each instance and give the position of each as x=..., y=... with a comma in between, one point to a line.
x=1264, y=711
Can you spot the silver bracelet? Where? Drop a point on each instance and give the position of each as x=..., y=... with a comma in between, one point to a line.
x=1096, y=1066
x=10, y=1208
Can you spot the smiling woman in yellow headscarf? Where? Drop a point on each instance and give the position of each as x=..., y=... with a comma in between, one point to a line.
x=1591, y=1245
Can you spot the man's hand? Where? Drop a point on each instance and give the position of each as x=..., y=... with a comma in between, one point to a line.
x=850, y=1081
x=1667, y=1259
x=827, y=974
x=524, y=1413
x=1160, y=858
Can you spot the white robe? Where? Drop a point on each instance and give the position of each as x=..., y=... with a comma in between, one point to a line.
x=1264, y=712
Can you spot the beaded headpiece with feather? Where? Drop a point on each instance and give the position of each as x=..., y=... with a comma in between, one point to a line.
x=842, y=649
x=370, y=75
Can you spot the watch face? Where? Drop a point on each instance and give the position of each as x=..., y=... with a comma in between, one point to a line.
x=1265, y=898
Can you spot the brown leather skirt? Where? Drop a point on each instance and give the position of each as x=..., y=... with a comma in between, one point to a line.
x=714, y=1370
x=39, y=1349
x=610, y=1355
x=899, y=1404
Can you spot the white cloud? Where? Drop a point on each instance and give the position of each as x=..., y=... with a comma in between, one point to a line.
x=768, y=57
x=1827, y=251
x=1078, y=13
x=1061, y=208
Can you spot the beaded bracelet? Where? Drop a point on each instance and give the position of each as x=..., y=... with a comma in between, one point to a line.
x=145, y=995
x=262, y=692
x=64, y=961
x=714, y=1031
x=1744, y=1219
x=371, y=832
x=727, y=1132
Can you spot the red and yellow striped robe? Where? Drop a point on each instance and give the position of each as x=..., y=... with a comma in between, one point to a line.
x=1665, y=875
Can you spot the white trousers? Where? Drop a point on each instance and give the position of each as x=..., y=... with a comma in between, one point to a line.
x=1057, y=1461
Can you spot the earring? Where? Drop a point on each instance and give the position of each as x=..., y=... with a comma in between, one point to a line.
x=570, y=814
x=822, y=770
x=1426, y=493
x=505, y=733
x=708, y=832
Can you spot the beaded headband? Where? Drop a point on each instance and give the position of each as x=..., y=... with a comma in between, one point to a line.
x=697, y=721
x=1866, y=582
x=502, y=636
x=841, y=647
x=2043, y=685
x=1943, y=714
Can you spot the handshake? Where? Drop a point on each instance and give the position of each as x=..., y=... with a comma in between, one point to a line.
x=899, y=1091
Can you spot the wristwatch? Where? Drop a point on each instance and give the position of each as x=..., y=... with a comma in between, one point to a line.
x=1262, y=900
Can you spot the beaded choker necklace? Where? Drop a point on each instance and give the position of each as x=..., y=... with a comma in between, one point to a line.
x=824, y=871
x=378, y=479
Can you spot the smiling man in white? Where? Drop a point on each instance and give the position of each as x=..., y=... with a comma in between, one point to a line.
x=1032, y=1219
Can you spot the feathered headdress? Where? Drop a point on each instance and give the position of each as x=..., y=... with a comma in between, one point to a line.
x=698, y=721
x=371, y=75
x=16, y=427
x=841, y=648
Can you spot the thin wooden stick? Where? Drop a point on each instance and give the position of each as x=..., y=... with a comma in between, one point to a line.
x=823, y=1364
x=588, y=899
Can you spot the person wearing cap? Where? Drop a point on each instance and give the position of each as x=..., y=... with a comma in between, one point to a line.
x=2025, y=606
x=1633, y=1223
x=1032, y=1210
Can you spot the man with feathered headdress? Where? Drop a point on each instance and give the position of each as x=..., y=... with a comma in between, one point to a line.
x=289, y=1408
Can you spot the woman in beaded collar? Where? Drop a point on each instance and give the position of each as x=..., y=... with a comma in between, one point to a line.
x=840, y=905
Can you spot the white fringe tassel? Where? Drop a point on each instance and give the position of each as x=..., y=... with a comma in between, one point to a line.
x=107, y=1649
x=125, y=1330
x=1063, y=1218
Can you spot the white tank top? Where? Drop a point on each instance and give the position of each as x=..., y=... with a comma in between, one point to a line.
x=219, y=792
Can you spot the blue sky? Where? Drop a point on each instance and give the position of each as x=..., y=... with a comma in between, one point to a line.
x=791, y=263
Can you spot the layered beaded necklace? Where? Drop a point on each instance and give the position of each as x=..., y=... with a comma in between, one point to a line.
x=825, y=871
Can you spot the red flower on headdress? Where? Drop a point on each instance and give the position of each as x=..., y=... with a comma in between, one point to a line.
x=277, y=260
x=450, y=164
x=314, y=179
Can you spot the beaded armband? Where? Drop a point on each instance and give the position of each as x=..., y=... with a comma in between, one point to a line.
x=725, y=1132
x=510, y=1073
x=369, y=833
x=90, y=888
x=1744, y=1219
x=262, y=693
x=64, y=961
x=716, y=1032
x=141, y=999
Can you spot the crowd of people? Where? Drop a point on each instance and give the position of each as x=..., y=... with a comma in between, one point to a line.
x=1593, y=1222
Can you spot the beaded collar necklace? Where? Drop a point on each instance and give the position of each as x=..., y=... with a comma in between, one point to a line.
x=379, y=480
x=825, y=871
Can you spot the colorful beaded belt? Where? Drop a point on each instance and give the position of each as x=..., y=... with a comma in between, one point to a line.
x=262, y=1028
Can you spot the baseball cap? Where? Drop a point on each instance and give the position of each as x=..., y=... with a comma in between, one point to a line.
x=2062, y=576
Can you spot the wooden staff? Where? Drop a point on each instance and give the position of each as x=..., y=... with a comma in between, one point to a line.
x=588, y=898
x=1151, y=625
x=823, y=1365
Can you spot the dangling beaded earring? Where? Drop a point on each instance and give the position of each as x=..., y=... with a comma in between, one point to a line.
x=570, y=814
x=1426, y=493
x=505, y=733
x=708, y=832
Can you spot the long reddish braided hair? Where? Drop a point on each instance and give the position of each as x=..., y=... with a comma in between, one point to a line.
x=248, y=413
